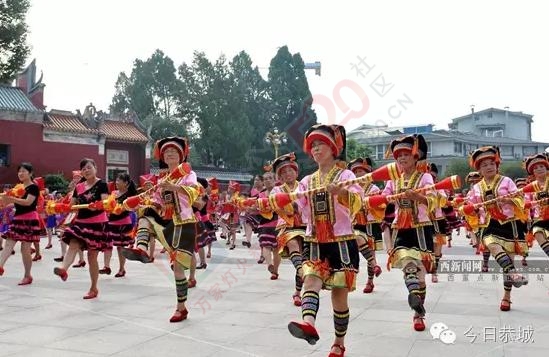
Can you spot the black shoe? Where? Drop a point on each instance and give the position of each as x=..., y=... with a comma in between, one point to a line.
x=58, y=259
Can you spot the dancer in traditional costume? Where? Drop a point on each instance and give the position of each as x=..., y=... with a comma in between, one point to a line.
x=368, y=223
x=538, y=166
x=251, y=217
x=88, y=231
x=439, y=223
x=206, y=231
x=290, y=227
x=330, y=251
x=178, y=236
x=120, y=227
x=25, y=226
x=266, y=230
x=412, y=228
x=230, y=213
x=500, y=206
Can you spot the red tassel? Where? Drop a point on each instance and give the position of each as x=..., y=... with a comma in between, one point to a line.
x=371, y=243
x=349, y=278
x=404, y=219
x=530, y=239
x=518, y=249
x=168, y=213
x=324, y=231
x=173, y=256
x=482, y=248
x=440, y=239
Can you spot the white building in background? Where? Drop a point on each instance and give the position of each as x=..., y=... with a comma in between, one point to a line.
x=511, y=131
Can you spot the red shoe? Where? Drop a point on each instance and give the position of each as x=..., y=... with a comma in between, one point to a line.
x=32, y=251
x=192, y=283
x=179, y=316
x=80, y=264
x=419, y=324
x=120, y=274
x=37, y=258
x=105, y=270
x=304, y=331
x=274, y=276
x=26, y=281
x=434, y=278
x=341, y=348
x=369, y=288
x=136, y=254
x=62, y=273
x=505, y=307
x=485, y=268
x=1, y=271
x=377, y=271
x=297, y=299
x=92, y=294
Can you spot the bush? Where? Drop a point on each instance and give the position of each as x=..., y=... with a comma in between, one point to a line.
x=56, y=182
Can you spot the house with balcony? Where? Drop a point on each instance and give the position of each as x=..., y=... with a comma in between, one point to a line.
x=511, y=131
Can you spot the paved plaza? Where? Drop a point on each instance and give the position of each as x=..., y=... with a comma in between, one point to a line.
x=235, y=310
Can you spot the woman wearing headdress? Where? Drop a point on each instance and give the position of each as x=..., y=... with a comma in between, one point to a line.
x=87, y=232
x=251, y=219
x=473, y=232
x=24, y=226
x=266, y=230
x=290, y=228
x=368, y=223
x=501, y=205
x=120, y=227
x=206, y=232
x=412, y=228
x=330, y=251
x=230, y=212
x=178, y=235
x=538, y=167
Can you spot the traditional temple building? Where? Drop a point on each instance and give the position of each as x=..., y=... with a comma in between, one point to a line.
x=55, y=141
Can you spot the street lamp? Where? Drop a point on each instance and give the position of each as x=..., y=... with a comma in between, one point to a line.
x=276, y=139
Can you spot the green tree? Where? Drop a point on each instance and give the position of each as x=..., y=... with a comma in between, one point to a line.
x=513, y=169
x=56, y=182
x=291, y=101
x=356, y=150
x=150, y=91
x=13, y=38
x=458, y=167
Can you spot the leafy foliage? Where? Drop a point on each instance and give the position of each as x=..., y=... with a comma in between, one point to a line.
x=13, y=38
x=225, y=107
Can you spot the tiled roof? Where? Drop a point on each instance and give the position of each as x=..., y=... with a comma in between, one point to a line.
x=13, y=99
x=122, y=131
x=68, y=123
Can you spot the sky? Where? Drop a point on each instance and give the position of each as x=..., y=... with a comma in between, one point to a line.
x=383, y=62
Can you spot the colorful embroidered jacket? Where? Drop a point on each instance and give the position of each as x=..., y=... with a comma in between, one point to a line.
x=539, y=201
x=410, y=213
x=289, y=216
x=365, y=215
x=503, y=212
x=441, y=200
x=329, y=217
x=178, y=206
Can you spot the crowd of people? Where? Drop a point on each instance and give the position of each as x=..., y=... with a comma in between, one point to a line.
x=322, y=223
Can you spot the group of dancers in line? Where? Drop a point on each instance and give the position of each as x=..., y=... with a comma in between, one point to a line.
x=322, y=223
